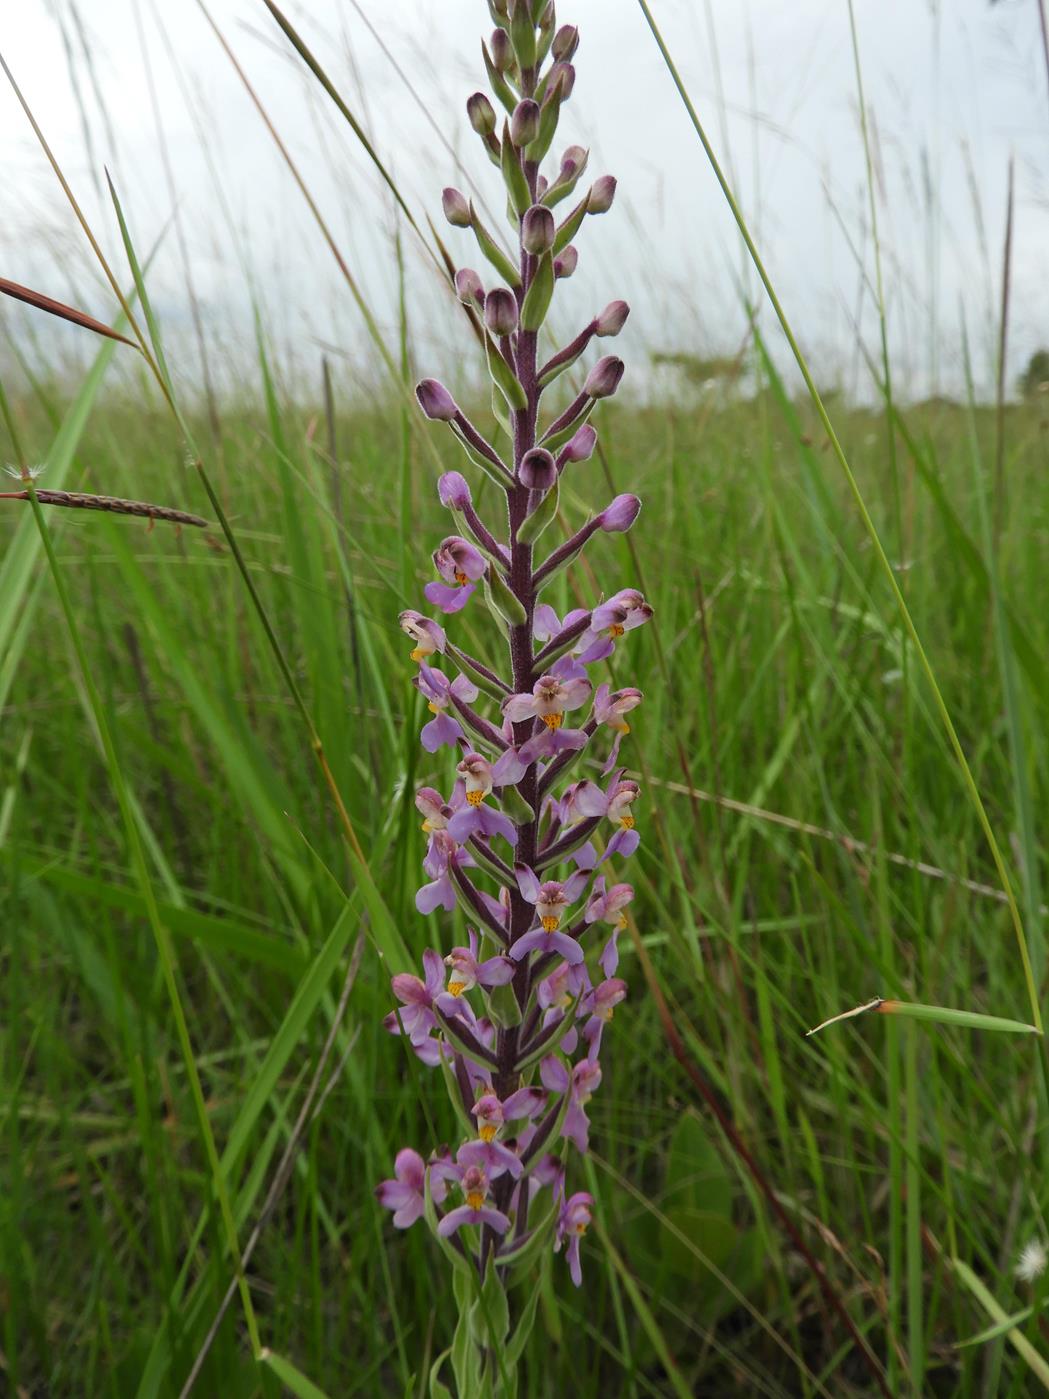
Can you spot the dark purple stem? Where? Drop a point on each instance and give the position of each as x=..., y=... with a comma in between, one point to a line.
x=568, y=843
x=484, y=728
x=557, y=767
x=480, y=443
x=568, y=417
x=466, y=661
x=489, y=854
x=566, y=551
x=483, y=535
x=571, y=351
x=560, y=641
x=473, y=898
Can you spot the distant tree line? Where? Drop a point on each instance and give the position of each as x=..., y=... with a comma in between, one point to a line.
x=1035, y=378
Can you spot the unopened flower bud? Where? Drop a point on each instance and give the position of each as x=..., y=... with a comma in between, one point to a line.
x=573, y=160
x=538, y=469
x=435, y=400
x=456, y=208
x=538, y=229
x=452, y=491
x=562, y=76
x=481, y=114
x=566, y=41
x=524, y=124
x=603, y=379
x=502, y=51
x=499, y=10
x=566, y=261
x=581, y=446
x=612, y=319
x=621, y=514
x=469, y=287
x=602, y=192
x=542, y=184
x=500, y=311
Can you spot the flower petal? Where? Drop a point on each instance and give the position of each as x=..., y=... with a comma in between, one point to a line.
x=574, y=693
x=442, y=731
x=575, y=884
x=439, y=894
x=527, y=882
x=623, y=843
x=567, y=947
x=521, y=948
x=464, y=824
x=553, y=1074
x=520, y=707
x=508, y=769
x=526, y=1102
x=589, y=800
x=448, y=599
x=464, y=689
x=494, y=823
x=496, y=971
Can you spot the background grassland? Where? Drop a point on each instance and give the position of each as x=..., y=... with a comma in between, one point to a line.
x=774, y=676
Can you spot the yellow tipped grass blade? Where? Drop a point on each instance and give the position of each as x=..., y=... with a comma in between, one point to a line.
x=941, y=1015
x=293, y=1379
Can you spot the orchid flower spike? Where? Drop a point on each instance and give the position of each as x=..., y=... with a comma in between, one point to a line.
x=525, y=848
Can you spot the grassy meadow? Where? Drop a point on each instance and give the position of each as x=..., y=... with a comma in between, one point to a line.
x=196, y=953
x=775, y=677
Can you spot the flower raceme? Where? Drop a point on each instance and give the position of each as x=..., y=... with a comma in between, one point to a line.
x=527, y=849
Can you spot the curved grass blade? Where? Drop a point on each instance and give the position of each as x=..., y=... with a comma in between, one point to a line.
x=1036, y=1362
x=940, y=1015
x=292, y=1379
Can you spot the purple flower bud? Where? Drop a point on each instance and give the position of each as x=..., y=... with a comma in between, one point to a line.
x=612, y=319
x=603, y=379
x=561, y=81
x=602, y=192
x=453, y=491
x=620, y=515
x=456, y=208
x=581, y=446
x=436, y=401
x=572, y=161
x=538, y=229
x=469, y=287
x=481, y=114
x=566, y=263
x=524, y=124
x=502, y=51
x=542, y=184
x=566, y=41
x=500, y=311
x=538, y=469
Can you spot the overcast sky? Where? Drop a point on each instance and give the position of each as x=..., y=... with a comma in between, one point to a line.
x=954, y=91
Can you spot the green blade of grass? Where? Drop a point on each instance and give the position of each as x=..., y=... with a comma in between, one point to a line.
x=942, y=1015
x=165, y=951
x=1036, y=1362
x=292, y=1378
x=968, y=781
